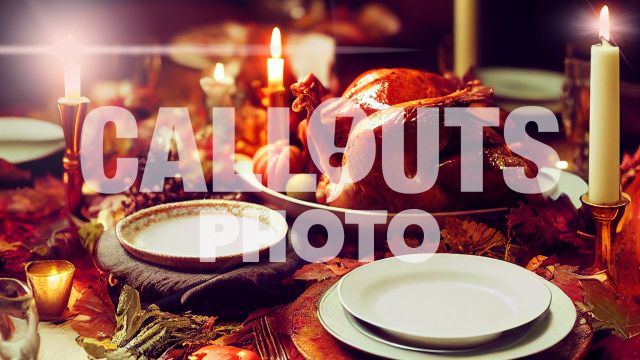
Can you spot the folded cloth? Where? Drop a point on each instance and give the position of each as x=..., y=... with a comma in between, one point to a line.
x=232, y=292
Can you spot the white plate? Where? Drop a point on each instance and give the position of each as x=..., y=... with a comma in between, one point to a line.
x=25, y=139
x=523, y=84
x=540, y=335
x=19, y=129
x=21, y=152
x=169, y=234
x=371, y=331
x=295, y=207
x=569, y=184
x=449, y=301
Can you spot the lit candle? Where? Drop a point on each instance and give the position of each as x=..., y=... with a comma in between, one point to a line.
x=604, y=118
x=218, y=88
x=72, y=81
x=275, y=64
x=50, y=281
x=464, y=32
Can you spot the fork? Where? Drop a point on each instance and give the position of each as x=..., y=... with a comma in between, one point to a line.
x=268, y=344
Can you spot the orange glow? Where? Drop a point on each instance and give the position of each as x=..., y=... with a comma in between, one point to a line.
x=218, y=72
x=276, y=43
x=605, y=26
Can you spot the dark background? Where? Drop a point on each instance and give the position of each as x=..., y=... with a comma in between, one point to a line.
x=523, y=33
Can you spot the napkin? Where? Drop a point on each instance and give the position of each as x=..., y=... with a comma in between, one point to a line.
x=233, y=292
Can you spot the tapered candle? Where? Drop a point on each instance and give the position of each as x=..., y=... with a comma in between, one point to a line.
x=218, y=88
x=465, y=36
x=72, y=81
x=275, y=64
x=604, y=118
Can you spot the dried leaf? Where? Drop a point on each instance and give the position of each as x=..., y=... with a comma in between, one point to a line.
x=31, y=203
x=612, y=310
x=89, y=233
x=567, y=280
x=321, y=271
x=313, y=272
x=473, y=238
x=545, y=223
x=96, y=312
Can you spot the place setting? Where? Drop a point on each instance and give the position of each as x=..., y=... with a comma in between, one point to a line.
x=446, y=306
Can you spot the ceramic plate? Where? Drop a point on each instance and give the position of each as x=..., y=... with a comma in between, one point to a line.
x=294, y=207
x=169, y=234
x=18, y=129
x=540, y=335
x=22, y=152
x=374, y=333
x=523, y=84
x=24, y=139
x=449, y=301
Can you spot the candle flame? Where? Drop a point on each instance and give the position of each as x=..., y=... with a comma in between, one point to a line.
x=605, y=26
x=276, y=43
x=218, y=72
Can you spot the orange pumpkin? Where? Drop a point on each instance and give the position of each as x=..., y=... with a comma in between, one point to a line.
x=274, y=169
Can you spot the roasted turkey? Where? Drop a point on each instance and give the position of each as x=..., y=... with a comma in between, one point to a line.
x=379, y=93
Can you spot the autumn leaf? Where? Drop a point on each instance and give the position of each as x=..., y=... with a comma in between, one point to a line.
x=566, y=279
x=321, y=271
x=313, y=272
x=30, y=203
x=612, y=310
x=472, y=238
x=545, y=223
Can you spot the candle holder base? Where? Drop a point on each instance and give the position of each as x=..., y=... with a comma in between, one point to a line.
x=606, y=218
x=72, y=114
x=277, y=98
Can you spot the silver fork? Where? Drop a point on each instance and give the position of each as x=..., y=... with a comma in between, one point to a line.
x=268, y=344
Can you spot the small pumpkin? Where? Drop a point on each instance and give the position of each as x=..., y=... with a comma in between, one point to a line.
x=274, y=169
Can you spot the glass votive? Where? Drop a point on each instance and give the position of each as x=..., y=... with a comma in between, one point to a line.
x=50, y=282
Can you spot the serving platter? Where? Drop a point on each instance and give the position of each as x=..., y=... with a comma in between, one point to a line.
x=530, y=339
x=295, y=207
x=169, y=234
x=569, y=184
x=448, y=301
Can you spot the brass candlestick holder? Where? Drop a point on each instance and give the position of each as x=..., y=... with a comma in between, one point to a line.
x=606, y=218
x=278, y=98
x=72, y=114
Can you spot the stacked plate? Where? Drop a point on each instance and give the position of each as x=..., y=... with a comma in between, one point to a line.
x=446, y=306
x=515, y=87
x=23, y=139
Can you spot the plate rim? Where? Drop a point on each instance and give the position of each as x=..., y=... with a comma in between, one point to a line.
x=557, y=334
x=22, y=119
x=546, y=303
x=261, y=189
x=516, y=71
x=193, y=262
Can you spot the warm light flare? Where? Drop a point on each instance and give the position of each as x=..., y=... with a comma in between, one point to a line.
x=605, y=25
x=276, y=43
x=218, y=72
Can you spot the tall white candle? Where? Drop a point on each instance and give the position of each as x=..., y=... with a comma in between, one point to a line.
x=72, y=81
x=604, y=118
x=465, y=35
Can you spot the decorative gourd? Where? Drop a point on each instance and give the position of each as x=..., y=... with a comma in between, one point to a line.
x=274, y=169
